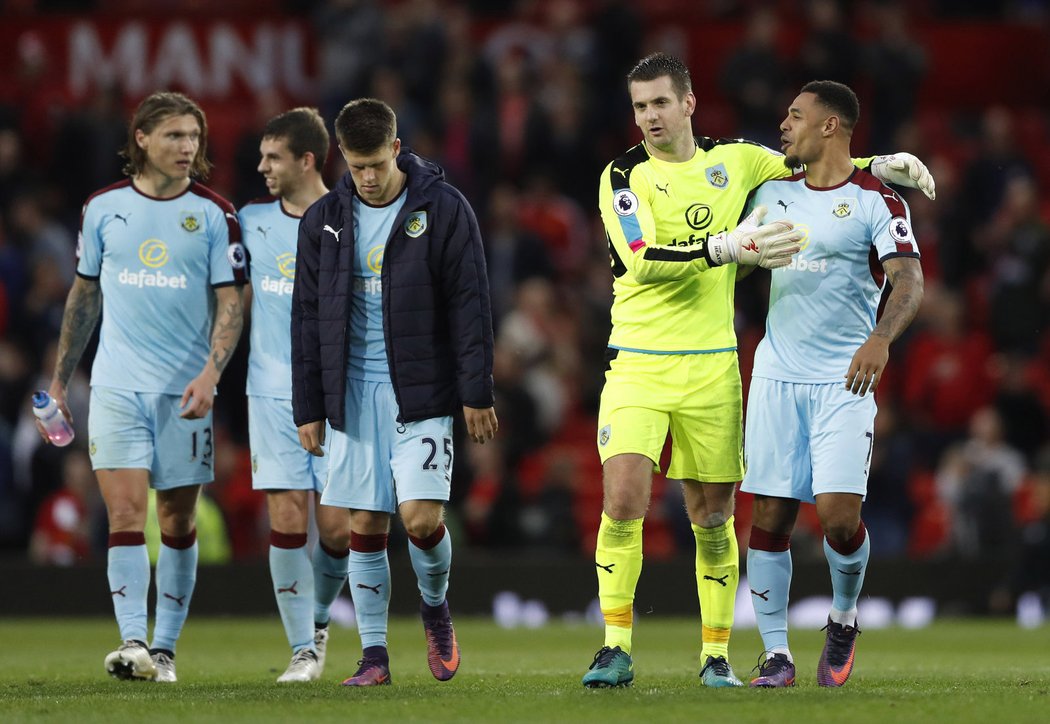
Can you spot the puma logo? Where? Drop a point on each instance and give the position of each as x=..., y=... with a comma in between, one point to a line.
x=607, y=569
x=762, y=595
x=333, y=232
x=374, y=589
x=123, y=218
x=290, y=589
x=785, y=206
x=663, y=188
x=721, y=580
x=119, y=592
x=620, y=171
x=263, y=231
x=750, y=246
x=176, y=599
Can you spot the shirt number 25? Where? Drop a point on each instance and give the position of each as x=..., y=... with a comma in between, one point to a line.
x=430, y=463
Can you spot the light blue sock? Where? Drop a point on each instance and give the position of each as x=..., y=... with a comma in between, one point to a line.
x=769, y=577
x=847, y=578
x=370, y=589
x=128, y=570
x=330, y=574
x=432, y=565
x=176, y=576
x=293, y=586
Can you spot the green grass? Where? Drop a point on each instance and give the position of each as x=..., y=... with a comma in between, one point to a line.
x=957, y=671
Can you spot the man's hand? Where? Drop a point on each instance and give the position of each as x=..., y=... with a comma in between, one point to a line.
x=770, y=246
x=58, y=393
x=865, y=369
x=198, y=396
x=905, y=169
x=481, y=423
x=311, y=437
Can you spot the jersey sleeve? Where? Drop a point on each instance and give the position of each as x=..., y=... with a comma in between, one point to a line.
x=891, y=231
x=625, y=202
x=243, y=222
x=765, y=164
x=229, y=260
x=89, y=242
x=864, y=164
x=247, y=238
x=768, y=164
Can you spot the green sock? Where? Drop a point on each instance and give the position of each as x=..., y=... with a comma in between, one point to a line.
x=618, y=562
x=717, y=575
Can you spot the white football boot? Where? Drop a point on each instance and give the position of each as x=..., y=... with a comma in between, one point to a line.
x=321, y=646
x=131, y=661
x=303, y=667
x=165, y=667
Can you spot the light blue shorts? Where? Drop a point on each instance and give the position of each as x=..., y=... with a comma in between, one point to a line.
x=377, y=462
x=802, y=439
x=143, y=430
x=278, y=460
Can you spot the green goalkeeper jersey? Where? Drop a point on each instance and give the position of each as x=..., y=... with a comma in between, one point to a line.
x=658, y=217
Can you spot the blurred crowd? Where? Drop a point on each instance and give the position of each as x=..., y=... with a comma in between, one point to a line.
x=523, y=103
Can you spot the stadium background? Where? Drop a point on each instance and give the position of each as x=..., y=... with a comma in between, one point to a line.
x=523, y=103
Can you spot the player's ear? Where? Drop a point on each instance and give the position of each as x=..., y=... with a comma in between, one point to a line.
x=831, y=125
x=141, y=138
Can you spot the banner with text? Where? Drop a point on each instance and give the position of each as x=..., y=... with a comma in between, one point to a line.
x=215, y=59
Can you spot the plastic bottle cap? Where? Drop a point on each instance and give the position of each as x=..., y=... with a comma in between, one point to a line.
x=40, y=399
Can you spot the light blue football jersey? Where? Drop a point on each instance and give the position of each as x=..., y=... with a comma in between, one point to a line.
x=157, y=261
x=270, y=234
x=822, y=306
x=372, y=226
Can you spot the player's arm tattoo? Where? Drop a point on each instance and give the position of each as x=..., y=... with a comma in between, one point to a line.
x=229, y=319
x=905, y=274
x=83, y=306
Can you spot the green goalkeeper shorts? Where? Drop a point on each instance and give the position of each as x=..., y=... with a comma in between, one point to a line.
x=697, y=397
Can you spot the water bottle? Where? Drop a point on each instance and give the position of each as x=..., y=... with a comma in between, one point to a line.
x=58, y=429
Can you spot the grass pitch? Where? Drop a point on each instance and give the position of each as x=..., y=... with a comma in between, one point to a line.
x=957, y=671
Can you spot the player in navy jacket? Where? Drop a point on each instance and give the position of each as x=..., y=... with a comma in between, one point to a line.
x=391, y=333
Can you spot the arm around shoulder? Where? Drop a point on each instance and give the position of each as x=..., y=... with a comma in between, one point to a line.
x=903, y=169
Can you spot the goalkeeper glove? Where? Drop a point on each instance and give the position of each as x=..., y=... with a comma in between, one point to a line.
x=770, y=246
x=904, y=169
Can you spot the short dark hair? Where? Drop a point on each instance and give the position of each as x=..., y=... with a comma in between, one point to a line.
x=153, y=111
x=657, y=65
x=838, y=98
x=302, y=130
x=365, y=125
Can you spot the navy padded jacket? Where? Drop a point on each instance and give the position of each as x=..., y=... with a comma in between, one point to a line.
x=437, y=318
